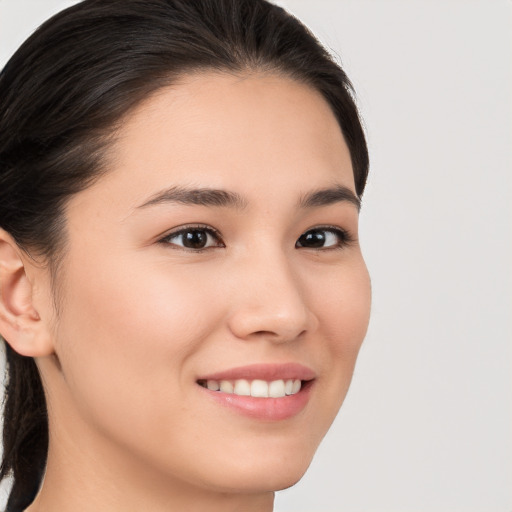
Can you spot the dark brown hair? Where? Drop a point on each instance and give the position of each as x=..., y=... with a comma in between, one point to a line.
x=61, y=97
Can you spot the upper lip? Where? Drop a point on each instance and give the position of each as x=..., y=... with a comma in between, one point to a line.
x=268, y=372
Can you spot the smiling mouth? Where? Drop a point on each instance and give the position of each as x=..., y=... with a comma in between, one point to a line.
x=256, y=388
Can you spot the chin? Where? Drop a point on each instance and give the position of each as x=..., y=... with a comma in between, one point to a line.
x=256, y=484
x=287, y=480
x=272, y=474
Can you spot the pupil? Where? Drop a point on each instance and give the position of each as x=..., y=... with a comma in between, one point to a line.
x=195, y=239
x=313, y=239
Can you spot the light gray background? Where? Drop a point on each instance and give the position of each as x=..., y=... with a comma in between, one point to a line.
x=427, y=425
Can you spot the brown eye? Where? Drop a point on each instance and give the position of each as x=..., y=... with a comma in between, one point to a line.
x=312, y=238
x=194, y=239
x=321, y=238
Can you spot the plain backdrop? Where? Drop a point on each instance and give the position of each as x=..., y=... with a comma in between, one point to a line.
x=427, y=424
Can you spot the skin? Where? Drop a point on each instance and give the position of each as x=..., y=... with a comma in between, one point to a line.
x=140, y=318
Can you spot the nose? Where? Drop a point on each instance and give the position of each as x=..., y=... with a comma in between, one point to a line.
x=270, y=301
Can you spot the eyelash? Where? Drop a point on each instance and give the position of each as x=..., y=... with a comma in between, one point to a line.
x=194, y=228
x=343, y=236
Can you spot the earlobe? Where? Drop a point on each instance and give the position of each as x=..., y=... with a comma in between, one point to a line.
x=20, y=322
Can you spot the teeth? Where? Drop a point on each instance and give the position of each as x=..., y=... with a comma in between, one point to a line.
x=259, y=388
x=276, y=389
x=242, y=387
x=213, y=385
x=256, y=388
x=226, y=386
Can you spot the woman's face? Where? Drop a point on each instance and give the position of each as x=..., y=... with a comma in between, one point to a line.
x=220, y=250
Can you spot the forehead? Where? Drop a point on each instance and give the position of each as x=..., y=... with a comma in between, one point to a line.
x=226, y=131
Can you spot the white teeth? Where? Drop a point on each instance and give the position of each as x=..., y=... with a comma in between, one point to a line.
x=226, y=386
x=242, y=387
x=276, y=389
x=256, y=388
x=213, y=385
x=259, y=388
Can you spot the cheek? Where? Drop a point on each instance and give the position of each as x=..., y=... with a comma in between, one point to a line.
x=344, y=316
x=128, y=304
x=122, y=325
x=345, y=311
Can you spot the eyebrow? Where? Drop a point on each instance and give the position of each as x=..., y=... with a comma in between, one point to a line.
x=227, y=199
x=198, y=196
x=331, y=195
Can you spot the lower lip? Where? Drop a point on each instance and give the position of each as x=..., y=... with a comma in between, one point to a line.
x=270, y=409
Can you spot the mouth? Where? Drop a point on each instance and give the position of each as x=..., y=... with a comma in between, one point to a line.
x=267, y=392
x=256, y=388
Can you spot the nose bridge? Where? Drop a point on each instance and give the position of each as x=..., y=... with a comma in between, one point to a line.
x=270, y=299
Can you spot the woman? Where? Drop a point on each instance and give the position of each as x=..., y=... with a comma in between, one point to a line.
x=183, y=295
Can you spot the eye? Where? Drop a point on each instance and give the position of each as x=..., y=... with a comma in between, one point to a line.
x=324, y=238
x=194, y=238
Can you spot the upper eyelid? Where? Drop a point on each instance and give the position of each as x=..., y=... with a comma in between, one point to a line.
x=191, y=227
x=337, y=229
x=347, y=238
x=166, y=239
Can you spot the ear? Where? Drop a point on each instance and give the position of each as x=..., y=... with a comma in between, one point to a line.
x=20, y=323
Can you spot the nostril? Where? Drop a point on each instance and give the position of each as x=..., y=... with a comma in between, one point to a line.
x=282, y=335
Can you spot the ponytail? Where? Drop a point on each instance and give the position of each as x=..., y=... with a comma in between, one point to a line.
x=25, y=430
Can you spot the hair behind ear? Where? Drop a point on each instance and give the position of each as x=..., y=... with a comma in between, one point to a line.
x=25, y=430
